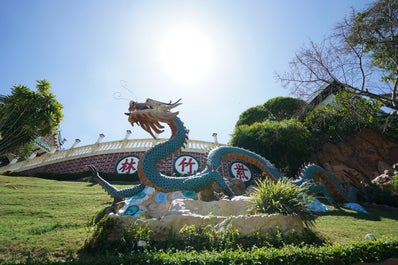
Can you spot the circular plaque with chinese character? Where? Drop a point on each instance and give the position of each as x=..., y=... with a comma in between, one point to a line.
x=127, y=165
x=186, y=165
x=240, y=171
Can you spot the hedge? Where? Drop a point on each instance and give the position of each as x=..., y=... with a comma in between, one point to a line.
x=366, y=251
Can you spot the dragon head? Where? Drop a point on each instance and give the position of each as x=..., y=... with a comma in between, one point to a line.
x=148, y=115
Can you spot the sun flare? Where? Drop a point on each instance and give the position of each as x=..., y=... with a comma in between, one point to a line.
x=186, y=54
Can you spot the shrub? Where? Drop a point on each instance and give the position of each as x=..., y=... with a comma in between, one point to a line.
x=110, y=236
x=208, y=237
x=387, y=124
x=99, y=241
x=386, y=195
x=283, y=197
x=394, y=183
x=252, y=115
x=345, y=117
x=285, y=108
x=367, y=251
x=285, y=143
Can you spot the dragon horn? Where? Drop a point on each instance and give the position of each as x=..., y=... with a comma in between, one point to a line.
x=170, y=103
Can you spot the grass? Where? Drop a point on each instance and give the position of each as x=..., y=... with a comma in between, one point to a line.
x=344, y=225
x=47, y=220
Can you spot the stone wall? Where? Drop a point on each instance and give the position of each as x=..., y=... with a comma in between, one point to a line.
x=107, y=163
x=363, y=156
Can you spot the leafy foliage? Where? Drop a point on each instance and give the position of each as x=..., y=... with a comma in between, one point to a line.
x=384, y=195
x=284, y=143
x=26, y=114
x=285, y=108
x=376, y=29
x=254, y=114
x=365, y=251
x=387, y=124
x=276, y=109
x=394, y=183
x=208, y=237
x=345, y=117
x=283, y=197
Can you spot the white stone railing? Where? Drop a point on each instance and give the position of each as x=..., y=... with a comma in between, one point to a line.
x=99, y=148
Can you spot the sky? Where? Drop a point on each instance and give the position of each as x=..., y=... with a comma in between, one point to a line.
x=219, y=56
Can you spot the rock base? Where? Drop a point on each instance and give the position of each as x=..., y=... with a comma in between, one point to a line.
x=219, y=214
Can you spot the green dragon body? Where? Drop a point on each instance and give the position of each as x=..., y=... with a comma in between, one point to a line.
x=150, y=114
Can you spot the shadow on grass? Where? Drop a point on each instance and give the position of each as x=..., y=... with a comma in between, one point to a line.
x=375, y=213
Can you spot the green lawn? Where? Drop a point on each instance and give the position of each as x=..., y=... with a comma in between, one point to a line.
x=47, y=219
x=343, y=225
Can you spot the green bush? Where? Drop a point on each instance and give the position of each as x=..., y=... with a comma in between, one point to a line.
x=285, y=108
x=254, y=114
x=110, y=236
x=366, y=251
x=345, y=117
x=283, y=197
x=387, y=124
x=276, y=109
x=285, y=143
x=386, y=195
x=208, y=237
x=394, y=183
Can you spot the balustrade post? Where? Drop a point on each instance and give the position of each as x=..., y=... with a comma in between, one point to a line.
x=100, y=138
x=14, y=160
x=126, y=138
x=70, y=151
x=215, y=138
x=77, y=141
x=96, y=146
x=33, y=155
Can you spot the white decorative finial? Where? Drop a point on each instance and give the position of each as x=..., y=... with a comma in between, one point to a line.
x=100, y=137
x=215, y=138
x=77, y=141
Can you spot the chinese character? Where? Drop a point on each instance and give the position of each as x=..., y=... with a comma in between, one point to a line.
x=127, y=166
x=184, y=163
x=241, y=171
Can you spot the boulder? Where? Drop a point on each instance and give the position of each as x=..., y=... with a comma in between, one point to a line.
x=358, y=159
x=383, y=179
x=219, y=214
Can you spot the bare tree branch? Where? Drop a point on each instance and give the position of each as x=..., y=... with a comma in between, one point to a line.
x=361, y=53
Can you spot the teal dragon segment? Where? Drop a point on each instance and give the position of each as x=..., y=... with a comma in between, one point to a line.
x=320, y=181
x=152, y=113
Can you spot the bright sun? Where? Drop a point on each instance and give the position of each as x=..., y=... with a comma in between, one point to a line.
x=186, y=55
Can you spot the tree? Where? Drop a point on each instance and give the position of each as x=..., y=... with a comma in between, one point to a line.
x=285, y=108
x=254, y=114
x=345, y=117
x=361, y=53
x=25, y=115
x=278, y=109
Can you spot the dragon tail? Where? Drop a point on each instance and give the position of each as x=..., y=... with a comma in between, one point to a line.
x=115, y=193
x=333, y=187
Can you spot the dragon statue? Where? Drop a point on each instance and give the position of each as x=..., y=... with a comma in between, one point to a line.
x=152, y=113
